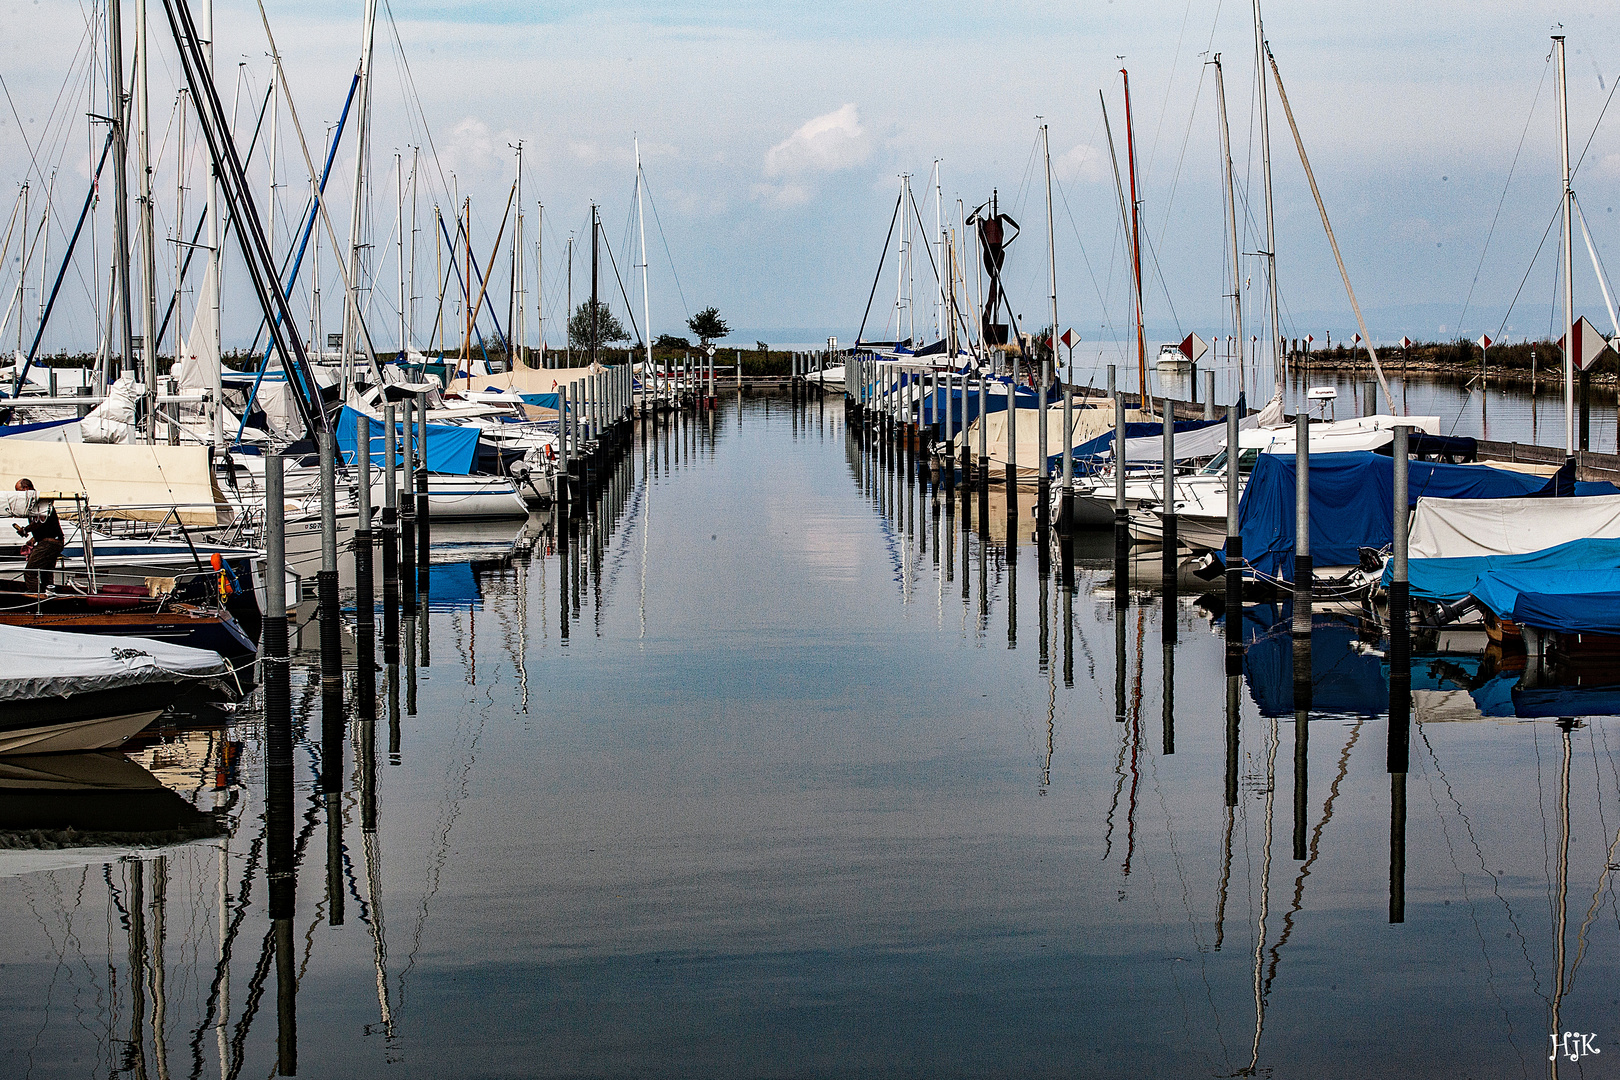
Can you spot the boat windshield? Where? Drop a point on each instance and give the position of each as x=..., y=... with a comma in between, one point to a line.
x=1246, y=460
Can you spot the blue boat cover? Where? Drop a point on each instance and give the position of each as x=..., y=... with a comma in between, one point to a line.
x=935, y=400
x=543, y=401
x=1449, y=580
x=450, y=449
x=1351, y=498
x=23, y=429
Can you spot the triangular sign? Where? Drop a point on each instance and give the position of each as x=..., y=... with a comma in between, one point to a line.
x=1193, y=347
x=1588, y=343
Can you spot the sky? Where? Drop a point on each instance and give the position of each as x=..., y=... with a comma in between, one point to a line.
x=773, y=137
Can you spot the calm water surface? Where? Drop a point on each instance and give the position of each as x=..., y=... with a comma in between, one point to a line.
x=773, y=769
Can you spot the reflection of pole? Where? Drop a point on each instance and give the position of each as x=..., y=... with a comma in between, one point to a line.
x=137, y=961
x=1233, y=686
x=160, y=904
x=1302, y=739
x=1561, y=905
x=1167, y=630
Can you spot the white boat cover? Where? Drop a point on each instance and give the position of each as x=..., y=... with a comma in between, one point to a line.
x=137, y=482
x=113, y=421
x=1089, y=418
x=1205, y=442
x=528, y=380
x=49, y=663
x=1462, y=528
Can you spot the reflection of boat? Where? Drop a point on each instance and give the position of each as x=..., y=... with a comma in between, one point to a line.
x=64, y=692
x=91, y=800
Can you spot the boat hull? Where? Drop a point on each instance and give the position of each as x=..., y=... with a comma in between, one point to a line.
x=56, y=736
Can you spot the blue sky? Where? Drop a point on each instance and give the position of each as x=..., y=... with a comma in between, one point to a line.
x=773, y=135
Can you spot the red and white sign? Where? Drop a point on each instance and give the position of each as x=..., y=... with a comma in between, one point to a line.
x=1356, y=340
x=1406, y=343
x=1310, y=339
x=1193, y=347
x=1588, y=343
x=1484, y=342
x=1070, y=339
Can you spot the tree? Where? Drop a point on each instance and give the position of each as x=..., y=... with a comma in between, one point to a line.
x=606, y=326
x=708, y=326
x=670, y=341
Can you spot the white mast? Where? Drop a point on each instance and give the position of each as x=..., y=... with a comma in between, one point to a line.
x=515, y=321
x=1232, y=222
x=362, y=150
x=399, y=234
x=45, y=243
x=143, y=140
x=211, y=275
x=646, y=309
x=1568, y=253
x=179, y=224
x=22, y=274
x=540, y=278
x=1271, y=220
x=939, y=263
x=900, y=261
x=568, y=337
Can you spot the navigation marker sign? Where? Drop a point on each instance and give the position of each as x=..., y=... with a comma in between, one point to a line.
x=1484, y=342
x=1406, y=343
x=1588, y=343
x=1193, y=347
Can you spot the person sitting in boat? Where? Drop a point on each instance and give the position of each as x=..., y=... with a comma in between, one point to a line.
x=44, y=547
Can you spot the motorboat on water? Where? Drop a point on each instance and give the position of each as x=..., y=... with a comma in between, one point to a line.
x=72, y=691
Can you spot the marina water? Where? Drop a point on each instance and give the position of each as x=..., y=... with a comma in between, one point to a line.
x=768, y=766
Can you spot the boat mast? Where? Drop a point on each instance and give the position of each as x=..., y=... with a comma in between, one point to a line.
x=399, y=255
x=362, y=151
x=596, y=263
x=516, y=320
x=1568, y=253
x=411, y=295
x=646, y=310
x=1136, y=242
x=22, y=274
x=540, y=281
x=568, y=323
x=1271, y=218
x=123, y=321
x=179, y=217
x=143, y=145
x=939, y=262
x=1231, y=220
x=900, y=260
x=211, y=271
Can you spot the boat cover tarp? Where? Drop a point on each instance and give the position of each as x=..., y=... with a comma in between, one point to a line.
x=135, y=482
x=69, y=430
x=1351, y=498
x=1449, y=580
x=543, y=401
x=1454, y=541
x=52, y=664
x=1578, y=601
x=528, y=380
x=450, y=449
x=1194, y=439
x=1461, y=528
x=932, y=406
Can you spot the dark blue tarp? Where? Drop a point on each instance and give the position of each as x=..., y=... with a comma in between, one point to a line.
x=1352, y=495
x=7, y=430
x=1556, y=598
x=934, y=401
x=544, y=401
x=450, y=449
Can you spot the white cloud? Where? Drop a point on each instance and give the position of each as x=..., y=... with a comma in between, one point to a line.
x=1609, y=166
x=782, y=195
x=1083, y=162
x=474, y=149
x=827, y=143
